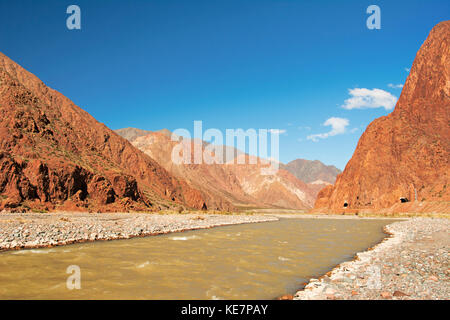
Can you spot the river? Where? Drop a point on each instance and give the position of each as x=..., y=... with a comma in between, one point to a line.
x=249, y=261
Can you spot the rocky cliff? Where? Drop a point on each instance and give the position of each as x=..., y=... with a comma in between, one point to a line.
x=55, y=156
x=402, y=159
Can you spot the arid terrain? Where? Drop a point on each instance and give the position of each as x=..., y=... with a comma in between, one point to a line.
x=312, y=171
x=67, y=178
x=233, y=185
x=55, y=156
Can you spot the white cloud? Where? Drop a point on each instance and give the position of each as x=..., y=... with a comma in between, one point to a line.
x=407, y=69
x=277, y=131
x=395, y=86
x=338, y=126
x=363, y=98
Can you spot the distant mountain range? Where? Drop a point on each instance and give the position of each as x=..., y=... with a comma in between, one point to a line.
x=312, y=171
x=230, y=185
x=55, y=156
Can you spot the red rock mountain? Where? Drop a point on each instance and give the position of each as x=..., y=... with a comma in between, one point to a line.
x=55, y=156
x=316, y=174
x=312, y=171
x=404, y=157
x=229, y=185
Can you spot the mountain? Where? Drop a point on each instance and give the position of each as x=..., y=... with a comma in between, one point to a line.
x=316, y=174
x=229, y=185
x=55, y=156
x=401, y=161
x=312, y=171
x=132, y=133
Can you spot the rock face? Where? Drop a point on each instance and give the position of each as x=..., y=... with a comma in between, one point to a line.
x=404, y=157
x=55, y=156
x=229, y=185
x=312, y=171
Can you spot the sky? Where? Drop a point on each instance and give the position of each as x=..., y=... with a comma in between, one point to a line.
x=310, y=69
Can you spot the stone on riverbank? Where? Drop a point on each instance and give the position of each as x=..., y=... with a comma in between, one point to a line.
x=411, y=264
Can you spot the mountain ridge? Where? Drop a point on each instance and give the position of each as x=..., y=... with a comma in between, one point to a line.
x=54, y=155
x=239, y=186
x=311, y=171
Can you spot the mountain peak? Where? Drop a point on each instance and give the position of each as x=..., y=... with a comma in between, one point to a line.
x=428, y=84
x=403, y=157
x=165, y=132
x=132, y=133
x=312, y=170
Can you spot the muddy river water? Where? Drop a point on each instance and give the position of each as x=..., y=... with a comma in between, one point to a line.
x=250, y=261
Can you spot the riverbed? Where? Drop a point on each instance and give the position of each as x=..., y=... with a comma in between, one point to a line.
x=247, y=261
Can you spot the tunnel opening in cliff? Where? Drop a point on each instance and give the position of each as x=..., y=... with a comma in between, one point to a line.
x=404, y=200
x=345, y=204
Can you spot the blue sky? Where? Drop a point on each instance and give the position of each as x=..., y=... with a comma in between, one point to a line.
x=232, y=64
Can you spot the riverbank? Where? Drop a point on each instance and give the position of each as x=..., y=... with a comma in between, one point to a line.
x=412, y=263
x=40, y=230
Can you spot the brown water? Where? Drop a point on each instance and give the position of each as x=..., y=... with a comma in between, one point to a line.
x=251, y=261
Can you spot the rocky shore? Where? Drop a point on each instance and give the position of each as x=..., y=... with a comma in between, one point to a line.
x=38, y=230
x=410, y=264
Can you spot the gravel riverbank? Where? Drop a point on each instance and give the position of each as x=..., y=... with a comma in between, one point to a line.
x=411, y=264
x=37, y=230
